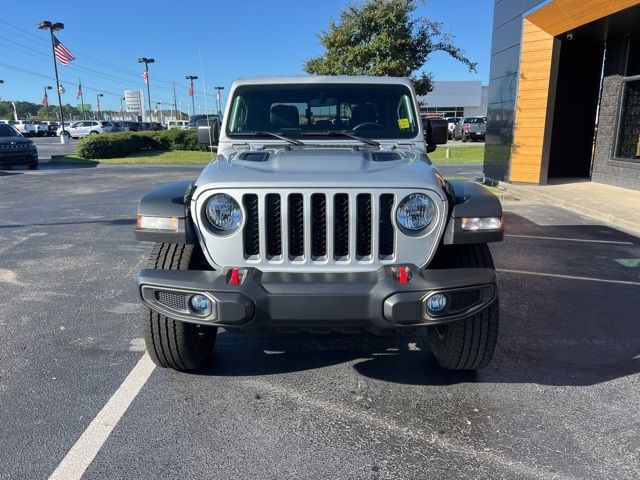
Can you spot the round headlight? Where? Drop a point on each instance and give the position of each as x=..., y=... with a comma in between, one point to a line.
x=416, y=211
x=223, y=212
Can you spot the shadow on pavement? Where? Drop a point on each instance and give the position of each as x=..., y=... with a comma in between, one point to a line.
x=5, y=173
x=554, y=331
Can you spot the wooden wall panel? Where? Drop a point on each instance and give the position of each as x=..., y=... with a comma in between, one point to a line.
x=531, y=104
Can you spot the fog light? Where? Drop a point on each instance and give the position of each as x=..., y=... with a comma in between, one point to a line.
x=437, y=303
x=199, y=303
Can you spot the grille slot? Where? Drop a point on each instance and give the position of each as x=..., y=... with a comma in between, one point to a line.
x=251, y=236
x=318, y=226
x=386, y=236
x=363, y=245
x=341, y=226
x=296, y=226
x=274, y=226
x=173, y=300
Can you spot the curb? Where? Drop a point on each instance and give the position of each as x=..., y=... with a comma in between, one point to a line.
x=514, y=192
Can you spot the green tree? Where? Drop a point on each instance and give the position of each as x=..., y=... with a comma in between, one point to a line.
x=383, y=37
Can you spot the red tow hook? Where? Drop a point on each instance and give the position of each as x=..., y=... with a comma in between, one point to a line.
x=234, y=279
x=403, y=275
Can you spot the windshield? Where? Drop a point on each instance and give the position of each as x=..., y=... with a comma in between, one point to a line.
x=7, y=131
x=374, y=111
x=474, y=120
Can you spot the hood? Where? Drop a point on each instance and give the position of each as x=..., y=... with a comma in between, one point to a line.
x=320, y=167
x=15, y=140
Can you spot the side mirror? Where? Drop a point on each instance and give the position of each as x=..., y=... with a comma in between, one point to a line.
x=437, y=131
x=208, y=132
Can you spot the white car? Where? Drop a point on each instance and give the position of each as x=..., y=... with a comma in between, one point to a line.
x=85, y=128
x=25, y=127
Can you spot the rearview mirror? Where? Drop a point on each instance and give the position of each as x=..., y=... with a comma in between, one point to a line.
x=437, y=131
x=208, y=132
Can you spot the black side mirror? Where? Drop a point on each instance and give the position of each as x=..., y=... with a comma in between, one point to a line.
x=437, y=130
x=208, y=132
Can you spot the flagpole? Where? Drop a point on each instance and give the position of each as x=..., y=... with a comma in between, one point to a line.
x=57, y=26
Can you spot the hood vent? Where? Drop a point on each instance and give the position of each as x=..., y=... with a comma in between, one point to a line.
x=385, y=156
x=254, y=156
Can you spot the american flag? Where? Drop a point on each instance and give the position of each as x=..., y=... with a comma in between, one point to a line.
x=145, y=77
x=191, y=91
x=79, y=94
x=63, y=55
x=45, y=100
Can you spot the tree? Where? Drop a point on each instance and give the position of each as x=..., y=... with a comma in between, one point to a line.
x=382, y=37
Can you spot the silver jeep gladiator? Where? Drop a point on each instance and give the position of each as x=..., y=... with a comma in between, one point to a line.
x=320, y=212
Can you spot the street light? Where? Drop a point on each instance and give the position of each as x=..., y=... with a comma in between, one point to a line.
x=1, y=82
x=98, y=113
x=191, y=78
x=122, y=109
x=146, y=62
x=54, y=27
x=159, y=103
x=46, y=100
x=219, y=99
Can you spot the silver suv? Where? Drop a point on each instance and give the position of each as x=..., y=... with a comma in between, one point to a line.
x=321, y=212
x=87, y=127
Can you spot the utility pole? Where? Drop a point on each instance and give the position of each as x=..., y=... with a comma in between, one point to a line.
x=192, y=92
x=53, y=27
x=121, y=109
x=84, y=113
x=175, y=103
x=98, y=112
x=145, y=76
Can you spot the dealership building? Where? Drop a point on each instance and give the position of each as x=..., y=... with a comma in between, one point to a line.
x=455, y=99
x=564, y=92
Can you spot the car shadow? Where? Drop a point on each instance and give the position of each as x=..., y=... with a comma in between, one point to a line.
x=9, y=173
x=53, y=165
x=558, y=331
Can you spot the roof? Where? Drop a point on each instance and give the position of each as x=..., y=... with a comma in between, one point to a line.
x=315, y=79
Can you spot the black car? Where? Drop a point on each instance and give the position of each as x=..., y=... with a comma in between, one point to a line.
x=15, y=149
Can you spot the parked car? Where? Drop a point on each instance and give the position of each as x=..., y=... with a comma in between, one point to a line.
x=25, y=127
x=15, y=149
x=156, y=127
x=471, y=128
x=301, y=224
x=87, y=127
x=193, y=120
x=51, y=128
x=452, y=126
x=181, y=124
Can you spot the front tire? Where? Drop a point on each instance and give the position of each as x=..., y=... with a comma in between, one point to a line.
x=171, y=343
x=466, y=344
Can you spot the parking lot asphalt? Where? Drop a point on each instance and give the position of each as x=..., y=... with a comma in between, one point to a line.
x=559, y=400
x=48, y=146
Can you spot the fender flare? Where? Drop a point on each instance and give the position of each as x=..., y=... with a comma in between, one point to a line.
x=169, y=200
x=469, y=199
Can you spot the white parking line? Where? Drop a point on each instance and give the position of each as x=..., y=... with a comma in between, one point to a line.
x=570, y=239
x=568, y=277
x=88, y=445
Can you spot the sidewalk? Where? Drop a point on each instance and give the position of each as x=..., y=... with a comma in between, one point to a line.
x=615, y=205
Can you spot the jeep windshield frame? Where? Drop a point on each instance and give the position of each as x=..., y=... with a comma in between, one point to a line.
x=318, y=110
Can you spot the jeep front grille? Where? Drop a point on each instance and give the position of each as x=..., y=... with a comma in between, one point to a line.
x=330, y=230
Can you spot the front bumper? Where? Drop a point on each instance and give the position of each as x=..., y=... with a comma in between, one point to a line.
x=20, y=157
x=335, y=301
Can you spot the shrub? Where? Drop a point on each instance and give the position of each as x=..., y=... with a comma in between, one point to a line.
x=112, y=145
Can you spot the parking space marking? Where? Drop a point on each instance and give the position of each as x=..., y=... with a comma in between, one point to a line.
x=74, y=464
x=570, y=239
x=410, y=432
x=568, y=277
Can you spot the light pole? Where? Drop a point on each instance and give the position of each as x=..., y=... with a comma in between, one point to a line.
x=98, y=112
x=54, y=27
x=45, y=100
x=122, y=109
x=159, y=108
x=219, y=99
x=146, y=62
x=192, y=92
x=1, y=82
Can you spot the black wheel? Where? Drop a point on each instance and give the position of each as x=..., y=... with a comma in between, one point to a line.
x=171, y=343
x=466, y=344
x=33, y=166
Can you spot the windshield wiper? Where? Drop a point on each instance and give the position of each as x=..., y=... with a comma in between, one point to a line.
x=345, y=133
x=268, y=134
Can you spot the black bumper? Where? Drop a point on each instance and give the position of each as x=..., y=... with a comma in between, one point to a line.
x=27, y=157
x=373, y=300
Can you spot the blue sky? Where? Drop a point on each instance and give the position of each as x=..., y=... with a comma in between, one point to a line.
x=234, y=39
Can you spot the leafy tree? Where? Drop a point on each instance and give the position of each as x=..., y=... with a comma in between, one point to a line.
x=382, y=37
